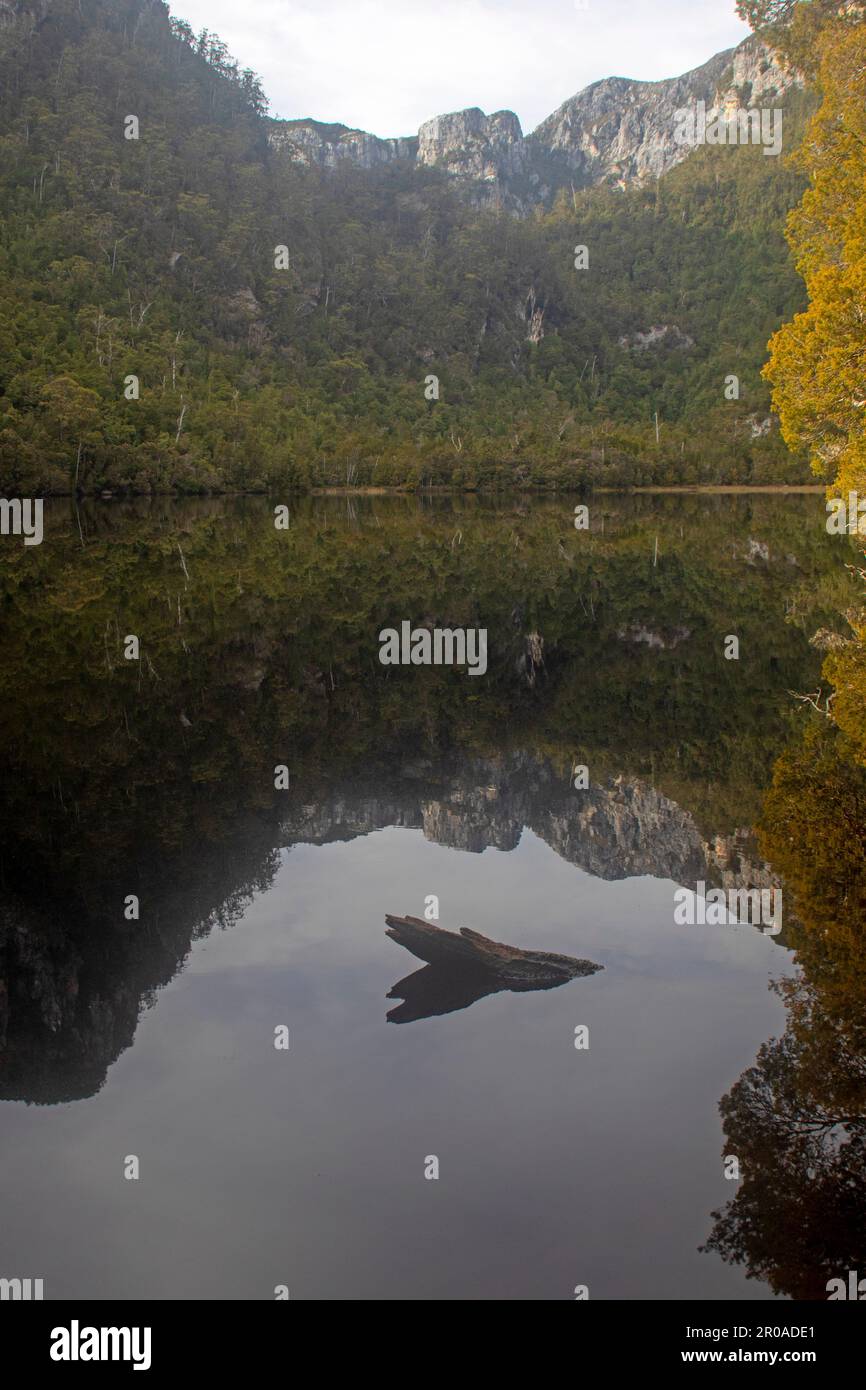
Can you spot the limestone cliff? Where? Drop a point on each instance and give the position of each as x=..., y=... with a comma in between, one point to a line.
x=471, y=145
x=327, y=146
x=615, y=131
x=622, y=131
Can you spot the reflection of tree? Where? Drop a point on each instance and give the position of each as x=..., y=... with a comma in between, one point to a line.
x=799, y=1217
x=797, y=1118
x=814, y=833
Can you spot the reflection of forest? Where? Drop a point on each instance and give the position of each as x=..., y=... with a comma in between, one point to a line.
x=259, y=647
x=797, y=1118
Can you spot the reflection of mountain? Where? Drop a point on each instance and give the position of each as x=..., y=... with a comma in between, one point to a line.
x=73, y=986
x=156, y=778
x=620, y=829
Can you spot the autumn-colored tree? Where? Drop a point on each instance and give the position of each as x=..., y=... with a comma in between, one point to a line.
x=818, y=361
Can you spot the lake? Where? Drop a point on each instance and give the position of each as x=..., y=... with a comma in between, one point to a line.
x=219, y=1076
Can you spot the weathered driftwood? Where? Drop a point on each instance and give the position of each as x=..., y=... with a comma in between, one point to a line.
x=468, y=950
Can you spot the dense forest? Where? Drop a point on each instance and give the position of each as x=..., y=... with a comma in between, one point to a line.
x=150, y=341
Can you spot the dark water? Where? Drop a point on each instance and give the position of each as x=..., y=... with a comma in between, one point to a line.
x=154, y=1038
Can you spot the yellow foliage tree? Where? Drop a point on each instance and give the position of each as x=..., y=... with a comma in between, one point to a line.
x=817, y=365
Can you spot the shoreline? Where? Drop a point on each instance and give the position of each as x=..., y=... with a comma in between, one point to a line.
x=726, y=487
x=335, y=490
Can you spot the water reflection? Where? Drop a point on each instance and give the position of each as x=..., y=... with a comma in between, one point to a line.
x=797, y=1117
x=465, y=966
x=156, y=780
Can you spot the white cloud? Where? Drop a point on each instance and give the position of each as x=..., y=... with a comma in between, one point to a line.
x=388, y=65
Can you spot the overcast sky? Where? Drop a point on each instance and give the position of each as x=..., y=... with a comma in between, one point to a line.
x=387, y=65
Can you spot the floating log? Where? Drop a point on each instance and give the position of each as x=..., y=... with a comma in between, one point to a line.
x=508, y=966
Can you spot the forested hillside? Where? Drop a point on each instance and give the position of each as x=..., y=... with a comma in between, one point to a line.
x=154, y=258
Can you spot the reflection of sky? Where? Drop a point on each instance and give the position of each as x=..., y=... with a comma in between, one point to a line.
x=259, y=1167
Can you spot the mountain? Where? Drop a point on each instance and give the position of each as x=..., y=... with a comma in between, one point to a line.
x=413, y=332
x=619, y=131
x=616, y=131
x=313, y=143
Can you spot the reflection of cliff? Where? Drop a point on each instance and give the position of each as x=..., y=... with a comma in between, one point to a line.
x=72, y=986
x=58, y=1034
x=620, y=829
x=258, y=646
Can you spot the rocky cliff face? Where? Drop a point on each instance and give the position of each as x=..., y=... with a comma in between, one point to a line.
x=327, y=146
x=622, y=132
x=490, y=149
x=616, y=131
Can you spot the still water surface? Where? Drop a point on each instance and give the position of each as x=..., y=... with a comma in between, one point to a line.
x=155, y=1038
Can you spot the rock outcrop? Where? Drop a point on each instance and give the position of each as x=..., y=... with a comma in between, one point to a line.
x=616, y=131
x=328, y=146
x=621, y=131
x=489, y=149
